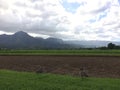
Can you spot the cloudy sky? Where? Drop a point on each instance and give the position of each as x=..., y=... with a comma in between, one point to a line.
x=65, y=19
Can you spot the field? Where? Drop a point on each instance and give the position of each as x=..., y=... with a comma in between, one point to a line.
x=102, y=66
x=95, y=66
x=62, y=52
x=11, y=80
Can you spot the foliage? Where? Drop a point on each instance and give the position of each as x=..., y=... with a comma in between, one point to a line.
x=111, y=46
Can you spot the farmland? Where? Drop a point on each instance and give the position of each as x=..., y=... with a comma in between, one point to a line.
x=11, y=80
x=96, y=66
x=93, y=52
x=60, y=69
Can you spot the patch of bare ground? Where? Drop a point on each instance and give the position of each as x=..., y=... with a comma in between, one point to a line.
x=95, y=66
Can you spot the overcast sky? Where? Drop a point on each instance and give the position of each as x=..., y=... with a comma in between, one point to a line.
x=65, y=19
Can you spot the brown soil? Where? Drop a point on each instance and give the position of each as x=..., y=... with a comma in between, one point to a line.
x=95, y=66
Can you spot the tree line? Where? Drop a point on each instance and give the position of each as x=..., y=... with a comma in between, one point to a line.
x=111, y=46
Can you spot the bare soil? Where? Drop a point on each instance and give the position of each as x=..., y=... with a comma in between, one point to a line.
x=95, y=66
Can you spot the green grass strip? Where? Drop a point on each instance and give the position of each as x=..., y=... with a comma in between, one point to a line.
x=62, y=52
x=12, y=80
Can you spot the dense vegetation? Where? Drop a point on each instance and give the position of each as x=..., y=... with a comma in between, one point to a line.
x=110, y=46
x=61, y=52
x=11, y=80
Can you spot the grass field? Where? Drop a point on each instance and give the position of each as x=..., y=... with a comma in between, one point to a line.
x=61, y=52
x=11, y=80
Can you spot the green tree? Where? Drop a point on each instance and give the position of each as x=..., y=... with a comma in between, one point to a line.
x=111, y=46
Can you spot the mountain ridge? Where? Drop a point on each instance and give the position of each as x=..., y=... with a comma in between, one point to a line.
x=22, y=40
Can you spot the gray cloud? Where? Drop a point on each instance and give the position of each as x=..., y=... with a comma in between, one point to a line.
x=3, y=5
x=30, y=21
x=20, y=4
x=102, y=9
x=50, y=18
x=103, y=36
x=35, y=0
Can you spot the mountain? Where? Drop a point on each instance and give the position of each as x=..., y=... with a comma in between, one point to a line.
x=22, y=40
x=91, y=43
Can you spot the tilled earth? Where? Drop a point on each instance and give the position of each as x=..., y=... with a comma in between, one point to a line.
x=95, y=66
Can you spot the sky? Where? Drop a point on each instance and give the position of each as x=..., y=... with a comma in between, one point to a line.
x=65, y=19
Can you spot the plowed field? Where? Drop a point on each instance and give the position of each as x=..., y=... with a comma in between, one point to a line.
x=95, y=66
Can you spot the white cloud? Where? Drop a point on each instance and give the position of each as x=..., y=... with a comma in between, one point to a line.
x=92, y=20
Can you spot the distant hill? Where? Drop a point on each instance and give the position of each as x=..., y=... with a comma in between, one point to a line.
x=21, y=40
x=91, y=43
